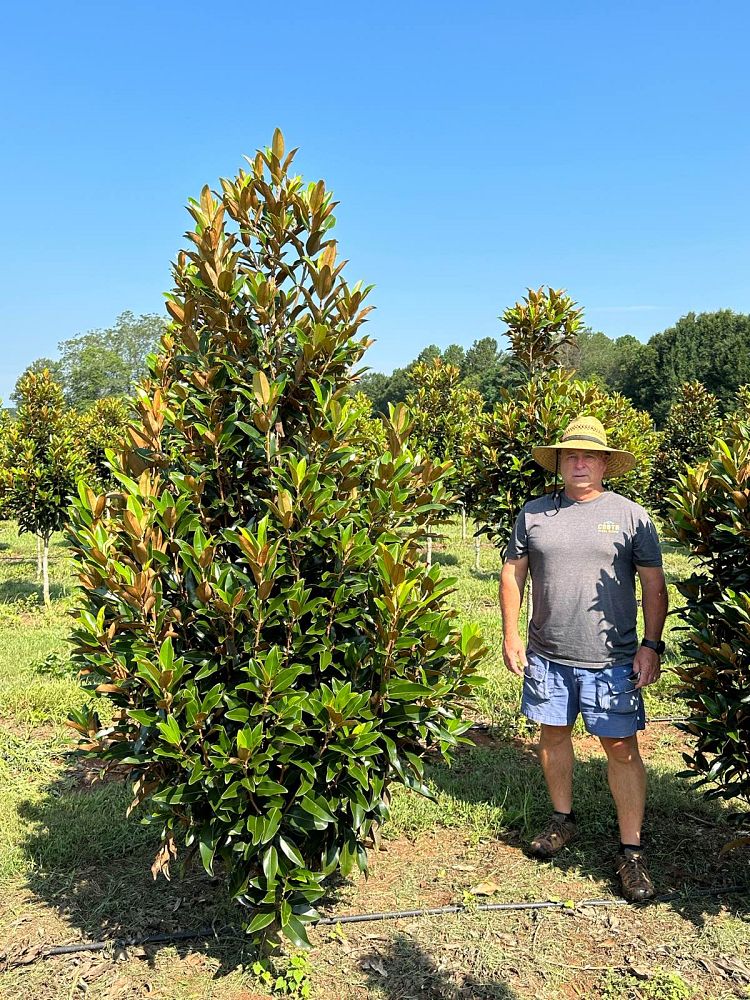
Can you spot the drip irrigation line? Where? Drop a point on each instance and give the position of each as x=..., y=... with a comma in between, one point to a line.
x=122, y=944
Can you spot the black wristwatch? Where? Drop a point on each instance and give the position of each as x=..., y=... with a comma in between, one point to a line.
x=658, y=647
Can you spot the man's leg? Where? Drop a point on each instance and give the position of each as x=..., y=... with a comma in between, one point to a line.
x=556, y=757
x=627, y=782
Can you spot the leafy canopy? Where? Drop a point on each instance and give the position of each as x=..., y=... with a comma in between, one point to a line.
x=710, y=514
x=276, y=652
x=506, y=475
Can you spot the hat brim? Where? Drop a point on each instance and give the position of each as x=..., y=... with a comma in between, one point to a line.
x=619, y=462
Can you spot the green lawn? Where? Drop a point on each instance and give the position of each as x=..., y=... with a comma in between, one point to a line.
x=72, y=865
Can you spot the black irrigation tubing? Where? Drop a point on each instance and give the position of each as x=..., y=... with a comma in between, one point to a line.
x=116, y=944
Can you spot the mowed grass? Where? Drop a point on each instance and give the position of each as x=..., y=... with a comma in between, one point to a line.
x=72, y=865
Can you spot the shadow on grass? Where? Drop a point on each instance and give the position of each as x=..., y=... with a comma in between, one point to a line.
x=684, y=833
x=14, y=590
x=91, y=864
x=485, y=574
x=444, y=558
x=412, y=973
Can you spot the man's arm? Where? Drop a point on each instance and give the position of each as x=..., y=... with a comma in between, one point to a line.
x=655, y=604
x=512, y=582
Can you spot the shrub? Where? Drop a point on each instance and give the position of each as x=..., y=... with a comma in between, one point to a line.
x=276, y=652
x=710, y=514
x=506, y=475
x=690, y=430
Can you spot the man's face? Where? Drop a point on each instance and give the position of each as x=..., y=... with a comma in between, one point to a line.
x=582, y=470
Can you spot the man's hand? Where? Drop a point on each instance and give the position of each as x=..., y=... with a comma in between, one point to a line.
x=647, y=666
x=514, y=654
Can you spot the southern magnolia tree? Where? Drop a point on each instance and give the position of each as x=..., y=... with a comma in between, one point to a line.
x=446, y=417
x=100, y=429
x=710, y=515
x=690, y=431
x=6, y=463
x=43, y=463
x=540, y=327
x=506, y=475
x=275, y=651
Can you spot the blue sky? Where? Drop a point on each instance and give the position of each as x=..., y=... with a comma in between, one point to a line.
x=476, y=149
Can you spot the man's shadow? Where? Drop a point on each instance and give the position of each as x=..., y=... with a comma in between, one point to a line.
x=411, y=972
x=684, y=832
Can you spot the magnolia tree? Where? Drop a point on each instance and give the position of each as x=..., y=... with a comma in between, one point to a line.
x=100, y=429
x=6, y=462
x=506, y=475
x=540, y=327
x=446, y=417
x=690, y=431
x=710, y=515
x=276, y=653
x=42, y=464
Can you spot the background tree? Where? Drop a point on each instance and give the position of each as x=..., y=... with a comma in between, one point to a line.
x=483, y=368
x=539, y=327
x=103, y=363
x=712, y=348
x=506, y=475
x=486, y=370
x=109, y=362
x=44, y=463
x=276, y=652
x=690, y=431
x=454, y=355
x=445, y=416
x=99, y=429
x=710, y=515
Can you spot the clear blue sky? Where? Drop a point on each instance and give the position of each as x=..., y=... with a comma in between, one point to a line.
x=476, y=149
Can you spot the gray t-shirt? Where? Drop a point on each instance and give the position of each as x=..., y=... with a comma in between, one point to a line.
x=582, y=561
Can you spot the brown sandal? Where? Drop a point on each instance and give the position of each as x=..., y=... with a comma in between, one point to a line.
x=635, y=881
x=553, y=838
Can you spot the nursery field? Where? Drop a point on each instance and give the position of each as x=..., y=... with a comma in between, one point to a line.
x=74, y=869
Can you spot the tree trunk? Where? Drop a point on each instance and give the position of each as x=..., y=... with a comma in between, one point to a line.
x=45, y=570
x=463, y=523
x=429, y=550
x=38, y=558
x=477, y=552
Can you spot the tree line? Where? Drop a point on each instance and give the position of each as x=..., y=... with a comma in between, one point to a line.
x=710, y=348
x=101, y=364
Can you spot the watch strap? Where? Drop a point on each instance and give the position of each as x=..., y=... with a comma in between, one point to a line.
x=658, y=646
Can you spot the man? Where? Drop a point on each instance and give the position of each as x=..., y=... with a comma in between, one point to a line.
x=582, y=548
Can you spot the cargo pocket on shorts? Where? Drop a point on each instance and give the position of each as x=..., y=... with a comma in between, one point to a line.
x=617, y=694
x=535, y=679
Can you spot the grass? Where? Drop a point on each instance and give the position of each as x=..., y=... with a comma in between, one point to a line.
x=72, y=865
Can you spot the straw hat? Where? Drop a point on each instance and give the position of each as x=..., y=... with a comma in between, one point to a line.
x=587, y=434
